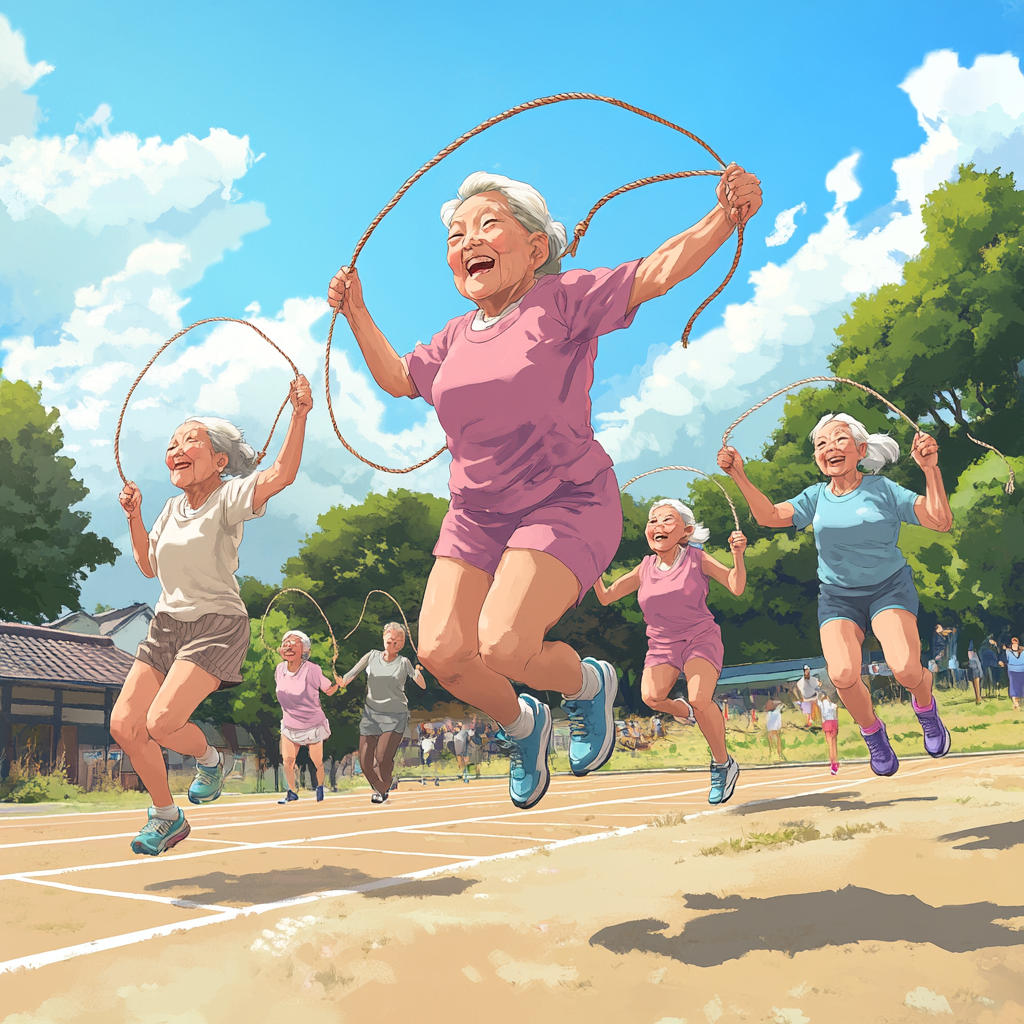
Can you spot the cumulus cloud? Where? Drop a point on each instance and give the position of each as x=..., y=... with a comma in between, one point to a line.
x=782, y=334
x=785, y=225
x=19, y=113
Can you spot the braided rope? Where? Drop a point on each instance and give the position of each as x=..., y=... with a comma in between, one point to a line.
x=690, y=469
x=297, y=590
x=166, y=344
x=400, y=611
x=1009, y=487
x=580, y=231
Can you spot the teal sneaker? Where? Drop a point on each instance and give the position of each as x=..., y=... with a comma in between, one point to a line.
x=591, y=727
x=529, y=777
x=723, y=781
x=159, y=834
x=208, y=783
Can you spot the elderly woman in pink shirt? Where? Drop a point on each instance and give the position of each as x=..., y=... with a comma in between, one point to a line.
x=535, y=515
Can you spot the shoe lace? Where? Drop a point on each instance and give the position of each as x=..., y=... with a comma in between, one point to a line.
x=508, y=746
x=577, y=721
x=719, y=773
x=207, y=774
x=930, y=723
x=158, y=826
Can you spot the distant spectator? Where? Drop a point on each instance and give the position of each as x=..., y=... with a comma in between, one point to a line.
x=657, y=727
x=773, y=726
x=975, y=671
x=992, y=663
x=830, y=727
x=1015, y=669
x=460, y=744
x=806, y=689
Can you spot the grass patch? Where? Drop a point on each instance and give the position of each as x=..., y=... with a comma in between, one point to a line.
x=790, y=833
x=668, y=820
x=843, y=832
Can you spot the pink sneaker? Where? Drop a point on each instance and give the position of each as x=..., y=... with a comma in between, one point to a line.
x=834, y=768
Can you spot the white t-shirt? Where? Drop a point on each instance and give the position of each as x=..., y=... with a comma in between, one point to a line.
x=829, y=711
x=808, y=688
x=773, y=721
x=195, y=551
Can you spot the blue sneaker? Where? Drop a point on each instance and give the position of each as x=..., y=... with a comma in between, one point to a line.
x=289, y=797
x=723, y=780
x=591, y=727
x=319, y=794
x=208, y=783
x=158, y=834
x=529, y=777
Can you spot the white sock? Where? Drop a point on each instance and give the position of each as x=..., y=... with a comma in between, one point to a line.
x=168, y=813
x=591, y=684
x=210, y=759
x=523, y=725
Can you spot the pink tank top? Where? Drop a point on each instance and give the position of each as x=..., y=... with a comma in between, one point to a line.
x=675, y=603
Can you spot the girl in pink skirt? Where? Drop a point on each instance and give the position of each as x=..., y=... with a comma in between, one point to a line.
x=682, y=635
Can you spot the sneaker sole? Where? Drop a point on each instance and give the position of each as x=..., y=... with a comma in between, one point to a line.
x=207, y=799
x=611, y=691
x=545, y=745
x=886, y=775
x=171, y=843
x=945, y=747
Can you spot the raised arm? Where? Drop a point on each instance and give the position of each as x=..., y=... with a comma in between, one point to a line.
x=739, y=198
x=933, y=511
x=386, y=365
x=735, y=579
x=764, y=512
x=629, y=583
x=131, y=501
x=275, y=479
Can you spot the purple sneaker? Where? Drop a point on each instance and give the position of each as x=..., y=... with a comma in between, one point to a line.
x=883, y=758
x=937, y=740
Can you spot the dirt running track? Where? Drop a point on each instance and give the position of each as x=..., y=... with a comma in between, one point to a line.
x=447, y=903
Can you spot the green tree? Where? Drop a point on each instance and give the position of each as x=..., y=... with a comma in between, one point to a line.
x=45, y=547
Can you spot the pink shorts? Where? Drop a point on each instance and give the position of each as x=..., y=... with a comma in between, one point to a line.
x=706, y=645
x=830, y=726
x=580, y=525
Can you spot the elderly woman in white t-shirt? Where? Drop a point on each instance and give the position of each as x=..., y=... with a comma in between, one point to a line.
x=200, y=634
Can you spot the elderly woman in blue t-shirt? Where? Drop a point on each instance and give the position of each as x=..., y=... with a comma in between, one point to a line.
x=865, y=580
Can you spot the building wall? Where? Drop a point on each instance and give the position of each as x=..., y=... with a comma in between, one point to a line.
x=129, y=638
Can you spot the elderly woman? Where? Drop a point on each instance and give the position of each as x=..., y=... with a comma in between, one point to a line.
x=865, y=580
x=535, y=515
x=386, y=713
x=299, y=683
x=199, y=637
x=672, y=586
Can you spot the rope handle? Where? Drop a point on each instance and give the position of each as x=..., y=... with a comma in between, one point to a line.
x=1010, y=483
x=169, y=342
x=298, y=590
x=580, y=231
x=366, y=601
x=700, y=472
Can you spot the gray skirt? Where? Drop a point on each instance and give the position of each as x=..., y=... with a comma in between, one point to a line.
x=376, y=723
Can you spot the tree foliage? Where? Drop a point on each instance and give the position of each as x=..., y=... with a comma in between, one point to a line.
x=45, y=547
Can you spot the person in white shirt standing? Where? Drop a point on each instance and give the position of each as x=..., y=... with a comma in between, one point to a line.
x=830, y=727
x=807, y=688
x=773, y=726
x=199, y=637
x=386, y=714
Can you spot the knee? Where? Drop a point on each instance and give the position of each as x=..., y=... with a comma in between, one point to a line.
x=845, y=678
x=507, y=653
x=906, y=670
x=126, y=731
x=651, y=697
x=446, y=655
x=701, y=702
x=289, y=762
x=160, y=726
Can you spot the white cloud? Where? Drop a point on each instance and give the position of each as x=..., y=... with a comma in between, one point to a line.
x=784, y=333
x=19, y=113
x=785, y=225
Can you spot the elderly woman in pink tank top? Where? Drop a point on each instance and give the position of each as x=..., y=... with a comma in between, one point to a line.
x=535, y=515
x=682, y=635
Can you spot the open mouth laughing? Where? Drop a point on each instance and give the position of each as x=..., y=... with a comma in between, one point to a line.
x=477, y=265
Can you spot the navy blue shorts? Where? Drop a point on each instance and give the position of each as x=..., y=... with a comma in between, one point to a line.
x=862, y=604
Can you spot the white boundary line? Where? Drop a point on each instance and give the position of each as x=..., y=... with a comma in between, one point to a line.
x=145, y=897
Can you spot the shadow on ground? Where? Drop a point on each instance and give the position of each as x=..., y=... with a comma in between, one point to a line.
x=272, y=886
x=839, y=801
x=1002, y=836
x=803, y=921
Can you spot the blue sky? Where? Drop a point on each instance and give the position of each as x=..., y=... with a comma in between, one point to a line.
x=324, y=109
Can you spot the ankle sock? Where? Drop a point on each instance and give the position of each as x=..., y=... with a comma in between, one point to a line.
x=168, y=813
x=523, y=725
x=210, y=759
x=591, y=684
x=871, y=730
x=917, y=707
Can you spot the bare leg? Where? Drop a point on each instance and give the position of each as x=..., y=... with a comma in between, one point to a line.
x=151, y=713
x=841, y=643
x=977, y=689
x=701, y=680
x=387, y=744
x=655, y=686
x=316, y=755
x=831, y=741
x=367, y=753
x=289, y=751
x=896, y=630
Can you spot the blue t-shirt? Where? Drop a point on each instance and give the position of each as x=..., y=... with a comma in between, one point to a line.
x=856, y=533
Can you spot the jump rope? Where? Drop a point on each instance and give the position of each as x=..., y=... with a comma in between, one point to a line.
x=570, y=250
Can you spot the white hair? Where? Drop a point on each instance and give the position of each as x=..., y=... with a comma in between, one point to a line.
x=395, y=626
x=227, y=439
x=700, y=533
x=306, y=642
x=527, y=206
x=882, y=449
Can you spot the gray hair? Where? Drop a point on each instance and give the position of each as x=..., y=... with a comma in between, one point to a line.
x=395, y=626
x=882, y=449
x=527, y=206
x=227, y=439
x=303, y=639
x=700, y=533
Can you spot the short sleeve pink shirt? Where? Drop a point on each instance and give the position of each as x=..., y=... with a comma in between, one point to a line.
x=514, y=399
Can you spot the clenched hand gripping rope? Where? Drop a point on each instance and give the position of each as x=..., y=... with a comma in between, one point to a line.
x=581, y=228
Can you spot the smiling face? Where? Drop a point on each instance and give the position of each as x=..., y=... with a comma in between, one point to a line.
x=489, y=251
x=291, y=648
x=190, y=456
x=666, y=529
x=835, y=450
x=394, y=641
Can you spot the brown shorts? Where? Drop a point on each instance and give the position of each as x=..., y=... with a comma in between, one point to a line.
x=216, y=643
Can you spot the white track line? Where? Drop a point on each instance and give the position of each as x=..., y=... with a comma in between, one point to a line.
x=145, y=897
x=413, y=831
x=393, y=853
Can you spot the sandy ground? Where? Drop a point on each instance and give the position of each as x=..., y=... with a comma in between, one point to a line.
x=920, y=916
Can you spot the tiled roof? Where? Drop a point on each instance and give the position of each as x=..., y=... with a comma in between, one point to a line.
x=42, y=654
x=112, y=621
